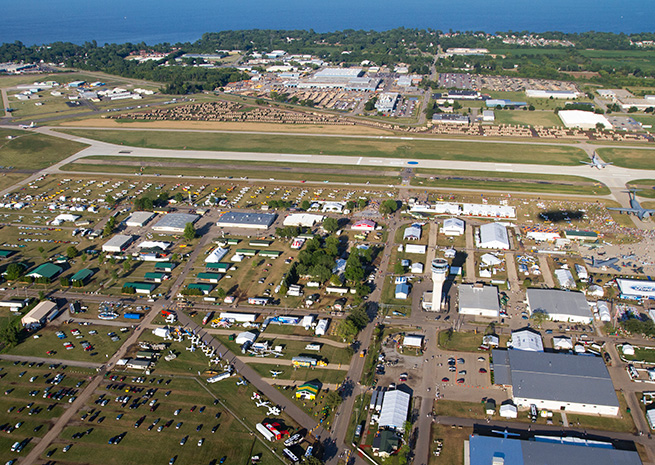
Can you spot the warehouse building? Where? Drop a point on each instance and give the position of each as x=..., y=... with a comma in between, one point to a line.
x=249, y=220
x=559, y=305
x=478, y=300
x=175, y=222
x=441, y=118
x=517, y=449
x=556, y=381
x=453, y=227
x=583, y=119
x=306, y=220
x=40, y=314
x=555, y=94
x=493, y=236
x=139, y=219
x=117, y=244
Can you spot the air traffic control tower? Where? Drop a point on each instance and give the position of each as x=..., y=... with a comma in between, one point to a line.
x=439, y=273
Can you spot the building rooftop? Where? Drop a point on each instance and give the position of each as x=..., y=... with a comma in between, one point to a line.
x=555, y=376
x=478, y=297
x=246, y=219
x=555, y=302
x=175, y=222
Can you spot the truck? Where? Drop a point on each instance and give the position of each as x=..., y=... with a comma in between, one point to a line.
x=265, y=432
x=132, y=316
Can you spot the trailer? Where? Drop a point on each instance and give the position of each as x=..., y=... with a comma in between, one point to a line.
x=219, y=377
x=132, y=316
x=265, y=432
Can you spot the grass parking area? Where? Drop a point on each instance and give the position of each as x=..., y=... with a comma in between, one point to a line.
x=351, y=146
x=231, y=439
x=527, y=118
x=464, y=342
x=522, y=182
x=14, y=403
x=95, y=335
x=629, y=157
x=452, y=439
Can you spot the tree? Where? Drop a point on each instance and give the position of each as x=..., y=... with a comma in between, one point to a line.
x=311, y=460
x=14, y=271
x=388, y=206
x=220, y=293
x=64, y=282
x=457, y=106
x=531, y=107
x=333, y=399
x=361, y=203
x=600, y=126
x=179, y=197
x=126, y=266
x=41, y=295
x=109, y=199
x=9, y=335
x=633, y=109
x=109, y=227
x=83, y=257
x=189, y=232
x=331, y=225
x=305, y=205
x=72, y=252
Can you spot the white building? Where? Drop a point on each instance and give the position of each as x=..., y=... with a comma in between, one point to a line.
x=562, y=343
x=415, y=249
x=493, y=236
x=395, y=408
x=583, y=119
x=555, y=94
x=322, y=326
x=453, y=227
x=117, y=244
x=526, y=339
x=387, y=101
x=303, y=219
x=565, y=278
x=245, y=337
x=139, y=219
x=478, y=300
x=39, y=314
x=413, y=340
x=581, y=271
x=216, y=255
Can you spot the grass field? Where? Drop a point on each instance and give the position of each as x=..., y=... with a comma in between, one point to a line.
x=464, y=342
x=527, y=118
x=489, y=180
x=208, y=168
x=452, y=452
x=300, y=374
x=645, y=187
x=629, y=158
x=32, y=151
x=410, y=149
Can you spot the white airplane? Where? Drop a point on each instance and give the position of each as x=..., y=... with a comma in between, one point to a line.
x=191, y=349
x=596, y=163
x=274, y=411
x=276, y=373
x=27, y=126
x=242, y=382
x=262, y=404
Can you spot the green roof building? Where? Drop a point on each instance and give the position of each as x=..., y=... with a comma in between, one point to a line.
x=164, y=266
x=82, y=275
x=270, y=253
x=47, y=270
x=219, y=267
x=581, y=235
x=205, y=288
x=6, y=253
x=247, y=252
x=141, y=288
x=259, y=243
x=155, y=277
x=210, y=277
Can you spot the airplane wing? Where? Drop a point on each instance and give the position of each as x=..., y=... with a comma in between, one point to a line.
x=615, y=267
x=587, y=163
x=624, y=210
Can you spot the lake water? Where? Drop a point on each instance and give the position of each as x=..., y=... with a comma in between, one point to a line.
x=155, y=21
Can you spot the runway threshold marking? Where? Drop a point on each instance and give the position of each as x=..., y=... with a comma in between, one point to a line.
x=360, y=160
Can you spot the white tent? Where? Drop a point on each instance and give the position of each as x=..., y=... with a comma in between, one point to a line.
x=562, y=343
x=565, y=278
x=596, y=291
x=526, y=339
x=394, y=410
x=216, y=255
x=244, y=337
x=508, y=411
x=416, y=268
x=490, y=260
x=413, y=340
x=161, y=332
x=603, y=311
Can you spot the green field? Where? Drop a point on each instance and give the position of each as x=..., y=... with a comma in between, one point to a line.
x=527, y=118
x=32, y=151
x=490, y=180
x=301, y=375
x=356, y=147
x=236, y=169
x=645, y=187
x=629, y=158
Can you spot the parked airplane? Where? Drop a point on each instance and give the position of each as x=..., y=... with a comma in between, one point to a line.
x=276, y=373
x=27, y=126
x=610, y=263
x=635, y=207
x=596, y=163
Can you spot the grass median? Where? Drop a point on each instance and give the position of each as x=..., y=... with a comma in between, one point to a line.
x=427, y=149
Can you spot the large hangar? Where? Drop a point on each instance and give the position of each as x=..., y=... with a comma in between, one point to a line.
x=583, y=119
x=233, y=219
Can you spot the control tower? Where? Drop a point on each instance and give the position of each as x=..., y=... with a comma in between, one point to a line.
x=439, y=273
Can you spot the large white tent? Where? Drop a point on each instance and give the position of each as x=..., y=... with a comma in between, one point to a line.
x=583, y=119
x=494, y=236
x=395, y=408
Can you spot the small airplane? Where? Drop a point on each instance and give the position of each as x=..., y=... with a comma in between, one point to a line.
x=276, y=373
x=596, y=163
x=635, y=207
x=242, y=382
x=262, y=404
x=274, y=411
x=610, y=263
x=27, y=126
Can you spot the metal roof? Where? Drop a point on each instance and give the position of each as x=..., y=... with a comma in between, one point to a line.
x=175, y=222
x=555, y=302
x=82, y=275
x=556, y=377
x=478, y=297
x=251, y=219
x=46, y=270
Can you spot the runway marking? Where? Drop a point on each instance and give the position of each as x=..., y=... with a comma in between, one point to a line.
x=360, y=160
x=291, y=161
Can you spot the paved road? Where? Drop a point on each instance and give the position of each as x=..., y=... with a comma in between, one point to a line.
x=49, y=360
